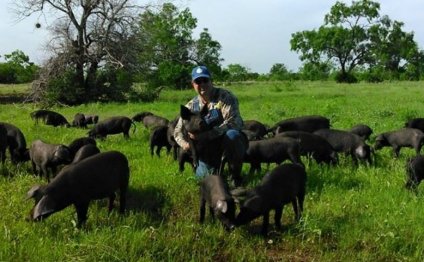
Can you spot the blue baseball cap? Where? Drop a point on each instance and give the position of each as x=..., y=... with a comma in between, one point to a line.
x=200, y=71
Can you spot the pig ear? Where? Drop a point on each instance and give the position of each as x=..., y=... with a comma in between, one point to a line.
x=222, y=206
x=185, y=112
x=44, y=208
x=33, y=192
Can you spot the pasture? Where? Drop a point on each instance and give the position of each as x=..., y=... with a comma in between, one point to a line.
x=351, y=213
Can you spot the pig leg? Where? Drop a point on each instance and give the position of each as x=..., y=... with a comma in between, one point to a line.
x=277, y=217
x=202, y=210
x=296, y=209
x=111, y=200
x=396, y=150
x=265, y=224
x=126, y=135
x=34, y=168
x=82, y=209
x=158, y=151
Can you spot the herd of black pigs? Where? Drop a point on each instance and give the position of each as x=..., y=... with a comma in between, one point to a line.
x=87, y=174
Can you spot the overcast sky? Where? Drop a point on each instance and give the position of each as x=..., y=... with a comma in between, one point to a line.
x=253, y=33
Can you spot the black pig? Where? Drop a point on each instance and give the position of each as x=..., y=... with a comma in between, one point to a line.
x=313, y=145
x=347, y=143
x=214, y=192
x=217, y=151
x=301, y=123
x=417, y=123
x=48, y=156
x=16, y=143
x=49, y=118
x=404, y=137
x=151, y=121
x=77, y=143
x=285, y=184
x=414, y=172
x=272, y=150
x=110, y=126
x=361, y=130
x=95, y=177
x=159, y=139
x=79, y=120
x=3, y=144
x=84, y=152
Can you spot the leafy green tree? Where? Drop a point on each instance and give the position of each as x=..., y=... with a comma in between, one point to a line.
x=315, y=71
x=86, y=36
x=344, y=37
x=237, y=72
x=207, y=52
x=168, y=51
x=279, y=72
x=392, y=49
x=17, y=69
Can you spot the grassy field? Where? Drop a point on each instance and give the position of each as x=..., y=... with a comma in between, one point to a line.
x=352, y=213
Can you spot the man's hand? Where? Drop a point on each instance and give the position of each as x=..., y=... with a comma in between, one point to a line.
x=185, y=146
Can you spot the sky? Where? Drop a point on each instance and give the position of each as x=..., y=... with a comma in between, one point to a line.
x=253, y=33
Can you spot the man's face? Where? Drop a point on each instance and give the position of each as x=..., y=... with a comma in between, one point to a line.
x=203, y=86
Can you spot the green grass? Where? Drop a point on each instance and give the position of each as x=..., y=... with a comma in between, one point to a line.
x=351, y=213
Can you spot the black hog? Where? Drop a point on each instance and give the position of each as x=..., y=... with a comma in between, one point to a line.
x=95, y=177
x=302, y=123
x=79, y=120
x=16, y=143
x=77, y=143
x=313, y=145
x=3, y=144
x=159, y=139
x=272, y=150
x=361, y=130
x=417, y=123
x=50, y=118
x=151, y=121
x=214, y=192
x=184, y=157
x=404, y=137
x=284, y=184
x=414, y=172
x=84, y=152
x=217, y=151
x=139, y=116
x=110, y=126
x=347, y=143
x=91, y=119
x=45, y=157
x=256, y=130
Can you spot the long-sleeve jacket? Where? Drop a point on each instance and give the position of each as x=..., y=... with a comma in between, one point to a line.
x=222, y=100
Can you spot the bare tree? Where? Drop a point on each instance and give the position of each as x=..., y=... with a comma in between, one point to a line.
x=86, y=35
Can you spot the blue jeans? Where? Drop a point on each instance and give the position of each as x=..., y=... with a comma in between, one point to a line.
x=203, y=169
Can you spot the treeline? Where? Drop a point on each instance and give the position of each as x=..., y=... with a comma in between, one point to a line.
x=98, y=58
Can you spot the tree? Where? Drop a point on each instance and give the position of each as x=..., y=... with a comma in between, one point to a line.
x=237, y=72
x=279, y=72
x=17, y=69
x=392, y=49
x=88, y=35
x=344, y=37
x=168, y=49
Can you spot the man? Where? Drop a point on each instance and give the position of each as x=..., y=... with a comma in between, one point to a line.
x=223, y=115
